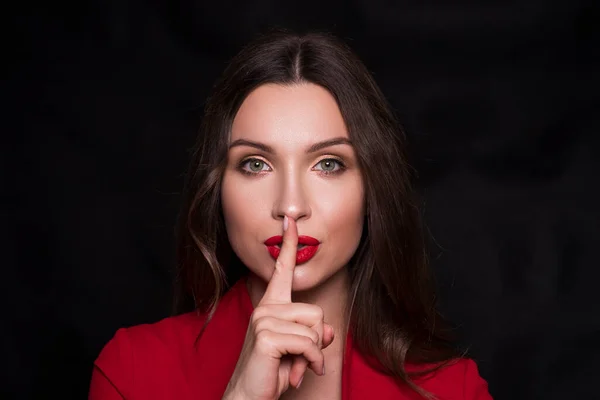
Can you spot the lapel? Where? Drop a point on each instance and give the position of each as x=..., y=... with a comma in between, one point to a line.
x=220, y=345
x=360, y=380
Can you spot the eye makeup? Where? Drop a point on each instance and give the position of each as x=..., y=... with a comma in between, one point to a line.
x=336, y=161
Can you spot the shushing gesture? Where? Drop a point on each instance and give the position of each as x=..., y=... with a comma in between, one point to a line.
x=283, y=338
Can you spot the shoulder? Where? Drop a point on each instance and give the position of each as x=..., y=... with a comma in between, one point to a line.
x=459, y=379
x=180, y=329
x=168, y=333
x=133, y=350
x=156, y=360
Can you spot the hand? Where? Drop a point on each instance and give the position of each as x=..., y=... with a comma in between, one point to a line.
x=283, y=338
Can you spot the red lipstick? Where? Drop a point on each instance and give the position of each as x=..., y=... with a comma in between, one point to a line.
x=303, y=254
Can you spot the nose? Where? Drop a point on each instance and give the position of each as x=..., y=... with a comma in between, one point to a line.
x=292, y=200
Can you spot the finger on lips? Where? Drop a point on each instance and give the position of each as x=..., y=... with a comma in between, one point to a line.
x=279, y=289
x=296, y=324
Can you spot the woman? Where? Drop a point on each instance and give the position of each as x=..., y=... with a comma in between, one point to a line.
x=299, y=198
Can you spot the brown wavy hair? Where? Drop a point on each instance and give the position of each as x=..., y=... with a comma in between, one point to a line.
x=393, y=316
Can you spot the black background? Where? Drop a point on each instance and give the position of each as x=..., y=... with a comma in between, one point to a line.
x=102, y=102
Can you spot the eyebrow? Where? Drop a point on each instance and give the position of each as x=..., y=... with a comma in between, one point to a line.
x=312, y=149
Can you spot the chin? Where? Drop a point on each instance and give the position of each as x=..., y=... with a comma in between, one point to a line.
x=307, y=277
x=303, y=281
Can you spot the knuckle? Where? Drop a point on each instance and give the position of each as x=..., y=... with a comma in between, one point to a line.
x=317, y=312
x=255, y=318
x=262, y=324
x=314, y=336
x=264, y=339
x=265, y=310
x=320, y=313
x=258, y=313
x=307, y=342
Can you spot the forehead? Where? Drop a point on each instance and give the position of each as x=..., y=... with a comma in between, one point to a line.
x=289, y=116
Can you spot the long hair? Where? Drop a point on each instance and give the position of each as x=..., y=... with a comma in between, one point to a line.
x=393, y=318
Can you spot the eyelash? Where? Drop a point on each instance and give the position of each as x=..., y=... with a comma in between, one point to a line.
x=342, y=166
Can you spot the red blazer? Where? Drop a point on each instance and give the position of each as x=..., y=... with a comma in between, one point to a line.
x=160, y=361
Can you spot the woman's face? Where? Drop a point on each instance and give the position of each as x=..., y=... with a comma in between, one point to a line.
x=280, y=163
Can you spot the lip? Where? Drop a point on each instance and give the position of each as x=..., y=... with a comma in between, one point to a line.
x=311, y=245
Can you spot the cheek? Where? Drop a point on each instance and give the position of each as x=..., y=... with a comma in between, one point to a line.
x=342, y=213
x=242, y=206
x=235, y=205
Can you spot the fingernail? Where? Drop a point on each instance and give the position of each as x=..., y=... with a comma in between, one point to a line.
x=299, y=382
x=286, y=223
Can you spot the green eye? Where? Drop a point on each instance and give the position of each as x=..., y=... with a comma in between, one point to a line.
x=256, y=165
x=253, y=166
x=328, y=165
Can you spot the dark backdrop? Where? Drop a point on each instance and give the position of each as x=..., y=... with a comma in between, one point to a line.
x=104, y=98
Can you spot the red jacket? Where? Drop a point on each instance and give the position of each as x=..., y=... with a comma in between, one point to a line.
x=160, y=361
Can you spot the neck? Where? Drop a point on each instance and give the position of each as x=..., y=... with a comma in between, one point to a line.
x=330, y=295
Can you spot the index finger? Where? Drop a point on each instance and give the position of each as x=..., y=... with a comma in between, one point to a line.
x=279, y=289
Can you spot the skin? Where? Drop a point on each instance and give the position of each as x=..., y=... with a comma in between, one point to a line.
x=259, y=189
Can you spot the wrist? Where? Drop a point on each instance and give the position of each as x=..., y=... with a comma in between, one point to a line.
x=232, y=394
